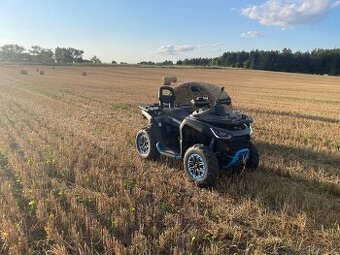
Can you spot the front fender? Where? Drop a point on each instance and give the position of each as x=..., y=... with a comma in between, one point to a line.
x=188, y=124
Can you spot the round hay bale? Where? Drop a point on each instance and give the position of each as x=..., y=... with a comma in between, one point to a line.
x=42, y=72
x=167, y=80
x=23, y=72
x=37, y=70
x=84, y=73
x=184, y=94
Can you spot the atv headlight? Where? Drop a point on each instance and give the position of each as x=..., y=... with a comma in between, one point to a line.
x=221, y=133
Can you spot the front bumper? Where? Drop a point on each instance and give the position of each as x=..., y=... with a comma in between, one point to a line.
x=239, y=158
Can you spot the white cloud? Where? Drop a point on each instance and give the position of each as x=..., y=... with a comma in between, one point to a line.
x=251, y=34
x=184, y=48
x=289, y=13
x=216, y=44
x=167, y=50
x=336, y=4
x=175, y=49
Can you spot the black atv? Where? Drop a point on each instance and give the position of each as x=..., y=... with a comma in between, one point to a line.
x=205, y=135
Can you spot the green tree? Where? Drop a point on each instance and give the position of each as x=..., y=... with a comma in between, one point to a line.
x=166, y=63
x=247, y=64
x=12, y=52
x=62, y=55
x=77, y=55
x=95, y=60
x=41, y=55
x=68, y=55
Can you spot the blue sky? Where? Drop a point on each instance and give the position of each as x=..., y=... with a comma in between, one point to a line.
x=136, y=30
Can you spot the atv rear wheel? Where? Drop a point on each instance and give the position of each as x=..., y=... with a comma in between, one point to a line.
x=146, y=144
x=253, y=161
x=201, y=165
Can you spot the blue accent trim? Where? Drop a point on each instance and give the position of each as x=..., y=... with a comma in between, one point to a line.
x=237, y=159
x=158, y=147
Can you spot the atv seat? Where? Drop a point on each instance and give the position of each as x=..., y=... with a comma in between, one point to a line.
x=166, y=95
x=176, y=114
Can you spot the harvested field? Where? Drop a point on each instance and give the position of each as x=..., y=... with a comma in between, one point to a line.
x=72, y=183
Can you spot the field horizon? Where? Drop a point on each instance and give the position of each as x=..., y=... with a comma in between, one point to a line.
x=71, y=181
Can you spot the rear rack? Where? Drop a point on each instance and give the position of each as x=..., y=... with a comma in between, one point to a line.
x=150, y=108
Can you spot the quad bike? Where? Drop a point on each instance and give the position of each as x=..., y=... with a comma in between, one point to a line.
x=206, y=136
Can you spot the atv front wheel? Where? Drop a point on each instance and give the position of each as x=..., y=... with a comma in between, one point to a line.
x=253, y=161
x=201, y=165
x=146, y=144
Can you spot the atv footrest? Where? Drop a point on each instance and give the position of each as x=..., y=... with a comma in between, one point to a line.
x=162, y=149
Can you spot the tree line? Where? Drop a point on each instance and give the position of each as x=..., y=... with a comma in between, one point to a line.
x=151, y=63
x=37, y=54
x=318, y=61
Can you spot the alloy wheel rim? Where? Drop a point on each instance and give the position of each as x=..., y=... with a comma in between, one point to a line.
x=196, y=167
x=143, y=144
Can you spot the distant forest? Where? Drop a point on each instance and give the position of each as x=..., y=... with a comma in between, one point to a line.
x=10, y=53
x=318, y=61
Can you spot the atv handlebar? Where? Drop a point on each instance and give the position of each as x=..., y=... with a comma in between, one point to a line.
x=200, y=102
x=226, y=101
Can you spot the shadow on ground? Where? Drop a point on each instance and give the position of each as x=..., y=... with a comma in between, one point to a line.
x=293, y=115
x=305, y=156
x=279, y=189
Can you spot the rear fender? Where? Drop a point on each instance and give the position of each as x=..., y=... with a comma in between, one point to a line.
x=147, y=115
